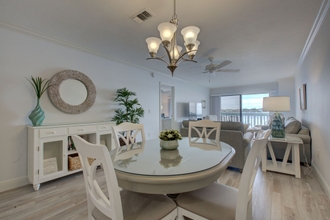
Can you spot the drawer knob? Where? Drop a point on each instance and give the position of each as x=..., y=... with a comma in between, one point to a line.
x=53, y=132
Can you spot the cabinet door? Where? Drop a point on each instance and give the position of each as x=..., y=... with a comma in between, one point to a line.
x=52, y=158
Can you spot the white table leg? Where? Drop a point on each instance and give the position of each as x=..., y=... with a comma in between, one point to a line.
x=271, y=151
x=286, y=154
x=264, y=160
x=296, y=160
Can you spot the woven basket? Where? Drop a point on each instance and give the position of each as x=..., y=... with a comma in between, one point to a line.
x=74, y=162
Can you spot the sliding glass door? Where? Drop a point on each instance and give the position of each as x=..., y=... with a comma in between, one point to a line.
x=231, y=108
x=244, y=108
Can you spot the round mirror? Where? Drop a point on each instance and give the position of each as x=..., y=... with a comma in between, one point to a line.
x=71, y=91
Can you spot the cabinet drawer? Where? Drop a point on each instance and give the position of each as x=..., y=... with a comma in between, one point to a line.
x=82, y=129
x=105, y=127
x=51, y=132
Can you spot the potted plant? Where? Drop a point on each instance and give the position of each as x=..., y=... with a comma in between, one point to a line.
x=40, y=85
x=169, y=139
x=132, y=111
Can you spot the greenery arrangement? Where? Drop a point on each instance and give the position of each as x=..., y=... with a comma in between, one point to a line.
x=132, y=111
x=170, y=135
x=40, y=85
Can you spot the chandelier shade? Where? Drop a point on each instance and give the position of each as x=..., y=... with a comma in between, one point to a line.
x=190, y=34
x=167, y=32
x=153, y=44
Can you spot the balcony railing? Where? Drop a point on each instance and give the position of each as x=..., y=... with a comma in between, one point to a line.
x=252, y=118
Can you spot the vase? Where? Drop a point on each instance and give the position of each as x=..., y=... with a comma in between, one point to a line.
x=37, y=115
x=169, y=145
x=277, y=127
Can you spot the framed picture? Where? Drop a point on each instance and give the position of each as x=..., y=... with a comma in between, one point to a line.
x=302, y=97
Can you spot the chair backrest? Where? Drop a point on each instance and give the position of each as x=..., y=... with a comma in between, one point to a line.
x=129, y=133
x=244, y=200
x=204, y=128
x=211, y=117
x=110, y=204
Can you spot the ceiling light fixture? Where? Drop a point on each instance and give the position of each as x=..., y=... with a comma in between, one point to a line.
x=168, y=39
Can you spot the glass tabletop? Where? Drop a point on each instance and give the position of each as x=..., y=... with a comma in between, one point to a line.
x=147, y=158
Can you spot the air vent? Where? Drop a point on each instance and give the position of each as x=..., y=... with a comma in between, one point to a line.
x=141, y=17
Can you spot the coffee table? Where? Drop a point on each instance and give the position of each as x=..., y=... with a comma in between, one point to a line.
x=292, y=168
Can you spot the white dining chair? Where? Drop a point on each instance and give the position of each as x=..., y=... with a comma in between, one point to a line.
x=129, y=133
x=218, y=201
x=204, y=128
x=110, y=201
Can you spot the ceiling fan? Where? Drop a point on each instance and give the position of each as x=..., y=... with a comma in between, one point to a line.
x=212, y=68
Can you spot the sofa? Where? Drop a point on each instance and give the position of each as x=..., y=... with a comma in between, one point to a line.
x=232, y=133
x=293, y=127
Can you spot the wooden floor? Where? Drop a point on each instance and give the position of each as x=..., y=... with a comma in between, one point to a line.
x=275, y=196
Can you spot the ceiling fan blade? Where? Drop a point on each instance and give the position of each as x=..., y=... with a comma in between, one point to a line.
x=229, y=70
x=224, y=63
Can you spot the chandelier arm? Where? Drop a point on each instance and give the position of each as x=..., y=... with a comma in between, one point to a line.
x=158, y=58
x=182, y=57
x=169, y=56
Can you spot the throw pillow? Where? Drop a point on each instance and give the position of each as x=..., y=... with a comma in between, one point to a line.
x=246, y=126
x=292, y=125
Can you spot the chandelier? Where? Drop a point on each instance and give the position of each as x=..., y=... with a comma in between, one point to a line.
x=167, y=32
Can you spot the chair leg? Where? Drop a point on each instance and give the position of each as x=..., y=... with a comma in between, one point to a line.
x=179, y=215
x=249, y=211
x=91, y=208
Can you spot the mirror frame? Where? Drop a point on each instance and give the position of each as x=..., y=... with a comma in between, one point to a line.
x=55, y=97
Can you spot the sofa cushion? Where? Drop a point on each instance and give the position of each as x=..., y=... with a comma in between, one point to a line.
x=246, y=126
x=230, y=125
x=185, y=123
x=292, y=125
x=304, y=130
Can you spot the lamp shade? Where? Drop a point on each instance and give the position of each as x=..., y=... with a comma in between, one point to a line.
x=195, y=48
x=175, y=53
x=166, y=31
x=276, y=103
x=190, y=34
x=153, y=44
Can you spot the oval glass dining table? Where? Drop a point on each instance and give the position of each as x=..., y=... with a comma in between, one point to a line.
x=145, y=167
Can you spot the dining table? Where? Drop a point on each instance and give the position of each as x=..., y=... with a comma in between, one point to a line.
x=145, y=167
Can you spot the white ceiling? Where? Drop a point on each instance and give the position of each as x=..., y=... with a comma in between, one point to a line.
x=263, y=38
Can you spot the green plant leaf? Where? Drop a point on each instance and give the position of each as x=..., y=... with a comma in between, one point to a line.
x=39, y=85
x=131, y=111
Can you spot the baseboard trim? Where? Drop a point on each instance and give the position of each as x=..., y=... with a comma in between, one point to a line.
x=322, y=181
x=14, y=183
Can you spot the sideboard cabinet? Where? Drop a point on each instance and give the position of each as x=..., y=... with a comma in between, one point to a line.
x=49, y=148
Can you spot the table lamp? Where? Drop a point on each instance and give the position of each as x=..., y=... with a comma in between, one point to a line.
x=276, y=104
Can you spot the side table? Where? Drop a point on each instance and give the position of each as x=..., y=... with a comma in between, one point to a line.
x=292, y=168
x=254, y=130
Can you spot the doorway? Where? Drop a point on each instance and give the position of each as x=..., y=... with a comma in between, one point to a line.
x=166, y=106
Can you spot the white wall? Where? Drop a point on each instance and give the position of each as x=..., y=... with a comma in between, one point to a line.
x=315, y=72
x=286, y=87
x=23, y=55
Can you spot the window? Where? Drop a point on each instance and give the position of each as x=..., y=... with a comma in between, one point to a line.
x=252, y=110
x=244, y=108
